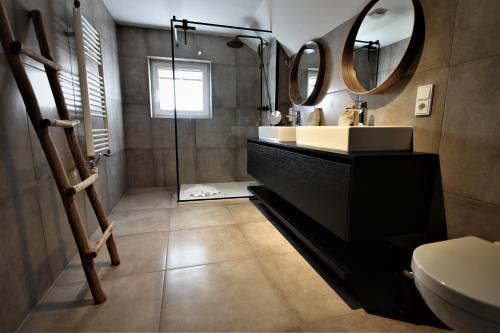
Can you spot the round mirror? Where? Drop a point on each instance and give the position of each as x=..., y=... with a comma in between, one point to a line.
x=382, y=43
x=307, y=74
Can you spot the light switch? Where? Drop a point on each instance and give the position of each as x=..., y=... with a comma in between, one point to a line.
x=424, y=100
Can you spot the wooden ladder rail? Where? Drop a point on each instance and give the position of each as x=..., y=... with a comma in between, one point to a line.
x=42, y=130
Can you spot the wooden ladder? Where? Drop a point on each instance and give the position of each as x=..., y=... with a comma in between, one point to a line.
x=13, y=50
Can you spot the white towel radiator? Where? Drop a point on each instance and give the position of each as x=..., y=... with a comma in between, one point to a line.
x=92, y=93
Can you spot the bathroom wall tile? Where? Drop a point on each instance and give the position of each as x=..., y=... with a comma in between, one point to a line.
x=332, y=104
x=439, y=24
x=216, y=165
x=58, y=238
x=248, y=57
x=333, y=44
x=248, y=87
x=470, y=148
x=217, y=131
x=163, y=131
x=24, y=258
x=164, y=166
x=138, y=126
x=247, y=124
x=116, y=124
x=158, y=43
x=214, y=48
x=140, y=166
x=16, y=170
x=188, y=173
x=223, y=85
x=116, y=171
x=241, y=165
x=396, y=106
x=468, y=217
x=134, y=80
x=477, y=26
x=131, y=42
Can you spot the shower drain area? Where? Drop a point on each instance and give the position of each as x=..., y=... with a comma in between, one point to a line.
x=210, y=191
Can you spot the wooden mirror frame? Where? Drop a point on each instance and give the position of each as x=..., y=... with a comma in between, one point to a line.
x=416, y=41
x=294, y=86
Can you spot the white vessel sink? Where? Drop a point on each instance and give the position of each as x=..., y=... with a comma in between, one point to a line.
x=357, y=138
x=277, y=133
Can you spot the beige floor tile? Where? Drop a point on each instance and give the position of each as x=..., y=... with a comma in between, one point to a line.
x=146, y=198
x=206, y=245
x=360, y=321
x=200, y=216
x=246, y=213
x=265, y=240
x=232, y=296
x=139, y=253
x=303, y=288
x=133, y=304
x=140, y=221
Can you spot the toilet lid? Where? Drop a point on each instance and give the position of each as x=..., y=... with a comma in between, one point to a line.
x=464, y=271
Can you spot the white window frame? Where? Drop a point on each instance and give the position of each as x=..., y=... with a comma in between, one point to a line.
x=204, y=65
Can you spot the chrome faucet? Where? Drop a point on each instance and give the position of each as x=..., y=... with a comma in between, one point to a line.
x=294, y=117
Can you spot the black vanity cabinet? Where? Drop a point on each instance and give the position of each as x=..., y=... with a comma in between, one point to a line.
x=361, y=214
x=357, y=197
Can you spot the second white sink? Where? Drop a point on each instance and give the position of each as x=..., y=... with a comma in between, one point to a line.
x=357, y=138
x=277, y=133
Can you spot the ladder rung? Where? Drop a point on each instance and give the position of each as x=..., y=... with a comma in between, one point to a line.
x=61, y=123
x=82, y=185
x=18, y=47
x=105, y=235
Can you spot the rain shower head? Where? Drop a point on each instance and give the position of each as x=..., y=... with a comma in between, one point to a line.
x=235, y=43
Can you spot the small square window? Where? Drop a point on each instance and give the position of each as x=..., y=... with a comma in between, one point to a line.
x=193, y=97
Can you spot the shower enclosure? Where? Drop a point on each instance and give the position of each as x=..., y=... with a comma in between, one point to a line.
x=220, y=97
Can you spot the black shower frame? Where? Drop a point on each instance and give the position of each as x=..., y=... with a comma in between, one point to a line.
x=174, y=20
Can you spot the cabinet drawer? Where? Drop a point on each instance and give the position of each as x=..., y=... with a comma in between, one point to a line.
x=318, y=187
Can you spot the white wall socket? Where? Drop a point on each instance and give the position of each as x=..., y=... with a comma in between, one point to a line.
x=424, y=100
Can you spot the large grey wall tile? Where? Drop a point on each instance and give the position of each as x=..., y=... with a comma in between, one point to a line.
x=466, y=217
x=396, y=106
x=134, y=80
x=223, y=85
x=477, y=27
x=214, y=48
x=333, y=44
x=248, y=87
x=215, y=165
x=132, y=42
x=158, y=43
x=138, y=128
x=140, y=166
x=470, y=148
x=16, y=170
x=187, y=166
x=217, y=131
x=439, y=23
x=165, y=168
x=23, y=258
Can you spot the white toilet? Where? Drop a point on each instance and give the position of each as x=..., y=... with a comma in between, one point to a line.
x=459, y=279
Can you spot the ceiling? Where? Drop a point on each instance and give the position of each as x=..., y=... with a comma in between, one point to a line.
x=293, y=22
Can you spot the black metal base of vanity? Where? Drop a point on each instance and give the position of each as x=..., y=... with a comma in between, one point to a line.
x=362, y=215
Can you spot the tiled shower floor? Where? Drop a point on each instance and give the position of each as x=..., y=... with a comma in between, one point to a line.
x=207, y=267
